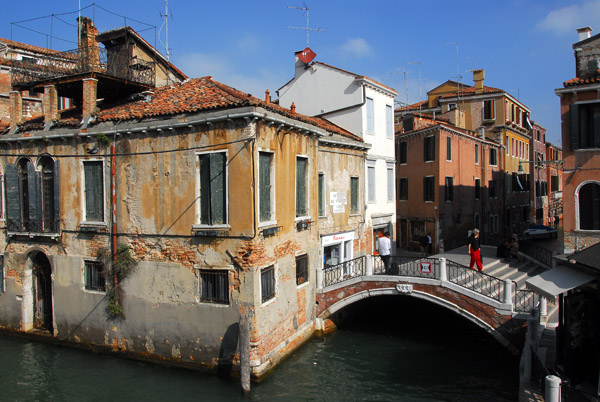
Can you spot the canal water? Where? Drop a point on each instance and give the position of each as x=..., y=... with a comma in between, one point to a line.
x=387, y=349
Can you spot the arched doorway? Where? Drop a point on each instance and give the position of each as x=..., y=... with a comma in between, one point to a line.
x=42, y=292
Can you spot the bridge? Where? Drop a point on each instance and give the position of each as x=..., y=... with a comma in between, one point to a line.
x=495, y=299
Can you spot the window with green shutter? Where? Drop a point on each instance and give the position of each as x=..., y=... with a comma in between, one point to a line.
x=213, y=188
x=321, y=194
x=265, y=187
x=93, y=172
x=301, y=207
x=354, y=200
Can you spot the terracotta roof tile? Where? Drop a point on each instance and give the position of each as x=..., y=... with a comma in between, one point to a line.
x=203, y=94
x=25, y=46
x=583, y=81
x=472, y=91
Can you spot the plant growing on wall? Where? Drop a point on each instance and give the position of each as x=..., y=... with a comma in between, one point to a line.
x=103, y=139
x=122, y=266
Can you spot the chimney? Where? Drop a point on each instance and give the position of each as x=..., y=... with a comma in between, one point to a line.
x=299, y=64
x=90, y=92
x=478, y=77
x=267, y=96
x=89, y=52
x=50, y=104
x=15, y=109
x=293, y=108
x=482, y=133
x=584, y=33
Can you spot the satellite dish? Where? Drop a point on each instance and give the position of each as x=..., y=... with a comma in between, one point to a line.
x=307, y=55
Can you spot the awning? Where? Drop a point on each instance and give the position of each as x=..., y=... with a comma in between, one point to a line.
x=558, y=280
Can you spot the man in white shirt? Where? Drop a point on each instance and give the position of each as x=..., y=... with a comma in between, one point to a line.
x=384, y=248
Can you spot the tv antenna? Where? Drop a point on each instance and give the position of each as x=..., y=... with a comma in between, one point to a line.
x=166, y=15
x=307, y=28
x=458, y=76
x=402, y=70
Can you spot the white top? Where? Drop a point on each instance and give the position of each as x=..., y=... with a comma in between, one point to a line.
x=384, y=245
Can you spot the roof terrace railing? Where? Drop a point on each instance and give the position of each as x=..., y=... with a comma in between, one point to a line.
x=85, y=60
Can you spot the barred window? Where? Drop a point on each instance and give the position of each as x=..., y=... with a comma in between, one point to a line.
x=94, y=279
x=214, y=286
x=301, y=269
x=267, y=283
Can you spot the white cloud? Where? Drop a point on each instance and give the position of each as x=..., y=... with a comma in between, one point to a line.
x=357, y=47
x=566, y=20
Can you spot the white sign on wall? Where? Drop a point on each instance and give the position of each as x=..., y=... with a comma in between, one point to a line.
x=338, y=202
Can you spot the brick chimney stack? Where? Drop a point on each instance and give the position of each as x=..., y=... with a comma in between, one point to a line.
x=50, y=103
x=89, y=52
x=90, y=93
x=15, y=109
x=267, y=96
x=478, y=77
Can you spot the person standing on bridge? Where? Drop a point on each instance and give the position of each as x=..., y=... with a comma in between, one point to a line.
x=475, y=250
x=384, y=248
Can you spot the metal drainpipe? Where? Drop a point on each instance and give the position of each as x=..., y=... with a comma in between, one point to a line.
x=113, y=173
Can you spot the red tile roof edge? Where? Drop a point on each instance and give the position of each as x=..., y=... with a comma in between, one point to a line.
x=31, y=48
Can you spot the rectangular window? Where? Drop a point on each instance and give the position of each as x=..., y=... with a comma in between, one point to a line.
x=477, y=189
x=553, y=183
x=507, y=144
x=403, y=188
x=512, y=140
x=213, y=188
x=451, y=106
x=301, y=182
x=265, y=186
x=321, y=194
x=449, y=191
x=448, y=149
x=493, y=157
x=1, y=274
x=93, y=173
x=585, y=125
x=94, y=279
x=370, y=116
x=354, y=191
x=389, y=113
x=390, y=184
x=402, y=152
x=214, y=286
x=477, y=154
x=267, y=283
x=428, y=188
x=488, y=109
x=301, y=269
x=492, y=188
x=371, y=183
x=429, y=148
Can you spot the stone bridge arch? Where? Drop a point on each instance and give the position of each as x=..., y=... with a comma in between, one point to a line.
x=497, y=322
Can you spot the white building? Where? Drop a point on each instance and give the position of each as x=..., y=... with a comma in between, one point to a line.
x=365, y=108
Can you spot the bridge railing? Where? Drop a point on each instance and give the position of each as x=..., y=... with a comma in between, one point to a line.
x=406, y=266
x=476, y=281
x=537, y=252
x=345, y=271
x=524, y=300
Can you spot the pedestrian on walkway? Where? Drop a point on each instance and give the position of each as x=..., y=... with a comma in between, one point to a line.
x=429, y=244
x=384, y=247
x=423, y=241
x=475, y=250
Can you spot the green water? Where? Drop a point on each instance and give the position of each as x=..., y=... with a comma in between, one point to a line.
x=396, y=349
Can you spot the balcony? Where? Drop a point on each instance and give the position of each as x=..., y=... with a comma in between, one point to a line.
x=111, y=63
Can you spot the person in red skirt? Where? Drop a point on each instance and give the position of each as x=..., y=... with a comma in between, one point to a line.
x=475, y=250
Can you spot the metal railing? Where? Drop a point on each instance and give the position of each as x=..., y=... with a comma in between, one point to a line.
x=345, y=271
x=537, y=252
x=396, y=261
x=572, y=394
x=539, y=372
x=92, y=59
x=476, y=281
x=524, y=300
x=28, y=226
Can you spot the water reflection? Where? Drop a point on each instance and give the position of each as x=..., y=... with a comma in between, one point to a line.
x=394, y=350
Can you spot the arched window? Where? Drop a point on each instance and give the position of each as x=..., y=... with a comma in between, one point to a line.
x=32, y=196
x=589, y=206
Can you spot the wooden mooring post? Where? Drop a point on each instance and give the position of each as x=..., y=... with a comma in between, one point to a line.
x=244, y=354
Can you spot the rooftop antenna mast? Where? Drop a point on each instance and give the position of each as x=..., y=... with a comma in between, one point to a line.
x=307, y=28
x=403, y=70
x=166, y=15
x=419, y=63
x=458, y=76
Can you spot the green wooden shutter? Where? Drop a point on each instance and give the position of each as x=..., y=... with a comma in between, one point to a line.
x=205, y=189
x=264, y=184
x=217, y=187
x=300, y=187
x=94, y=191
x=34, y=183
x=574, y=134
x=13, y=203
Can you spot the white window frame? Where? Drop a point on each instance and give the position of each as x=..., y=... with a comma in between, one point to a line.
x=577, y=212
x=85, y=221
x=370, y=115
x=198, y=224
x=275, y=292
x=322, y=198
x=371, y=184
x=272, y=220
x=307, y=191
x=390, y=183
x=448, y=148
x=389, y=113
x=84, y=279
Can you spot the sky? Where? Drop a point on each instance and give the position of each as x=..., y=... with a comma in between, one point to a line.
x=524, y=46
